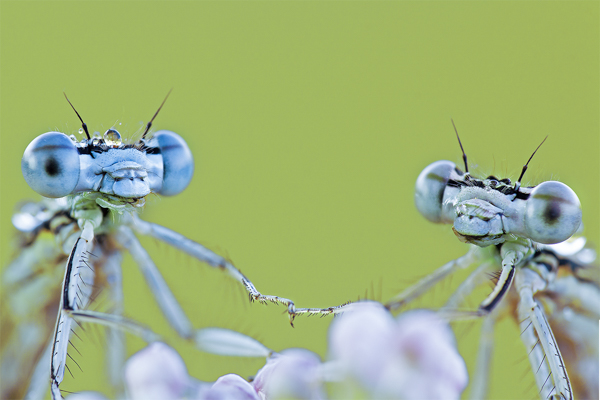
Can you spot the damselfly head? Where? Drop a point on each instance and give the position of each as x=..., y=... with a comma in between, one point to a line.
x=485, y=211
x=55, y=165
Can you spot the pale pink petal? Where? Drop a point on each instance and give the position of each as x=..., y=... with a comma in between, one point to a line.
x=291, y=373
x=427, y=354
x=359, y=340
x=156, y=372
x=413, y=357
x=230, y=386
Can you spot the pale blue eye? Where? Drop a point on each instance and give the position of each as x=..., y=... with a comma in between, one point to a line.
x=50, y=165
x=178, y=162
x=429, y=190
x=553, y=213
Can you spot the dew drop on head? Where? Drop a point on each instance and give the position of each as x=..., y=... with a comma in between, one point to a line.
x=112, y=137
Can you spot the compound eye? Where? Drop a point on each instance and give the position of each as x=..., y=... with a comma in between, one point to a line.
x=50, y=165
x=178, y=162
x=553, y=213
x=429, y=190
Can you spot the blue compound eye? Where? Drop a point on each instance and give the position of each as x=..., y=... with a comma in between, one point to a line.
x=50, y=165
x=178, y=162
x=553, y=213
x=429, y=190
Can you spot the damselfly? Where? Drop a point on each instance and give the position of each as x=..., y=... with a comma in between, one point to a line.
x=549, y=286
x=72, y=243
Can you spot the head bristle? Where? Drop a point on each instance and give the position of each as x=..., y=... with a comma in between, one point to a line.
x=155, y=114
x=83, y=124
x=461, y=147
x=518, y=183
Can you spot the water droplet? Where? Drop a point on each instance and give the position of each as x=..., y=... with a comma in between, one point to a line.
x=73, y=138
x=81, y=131
x=112, y=137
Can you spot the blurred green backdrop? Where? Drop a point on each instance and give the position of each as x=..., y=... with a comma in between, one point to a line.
x=309, y=123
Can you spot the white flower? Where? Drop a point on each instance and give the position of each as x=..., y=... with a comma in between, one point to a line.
x=371, y=354
x=156, y=372
x=229, y=386
x=411, y=357
x=292, y=373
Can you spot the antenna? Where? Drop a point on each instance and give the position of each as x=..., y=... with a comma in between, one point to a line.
x=83, y=125
x=155, y=114
x=461, y=148
x=518, y=183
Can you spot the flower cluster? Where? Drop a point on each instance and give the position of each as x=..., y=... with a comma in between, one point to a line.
x=371, y=355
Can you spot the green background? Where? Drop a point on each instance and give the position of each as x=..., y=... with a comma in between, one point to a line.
x=309, y=123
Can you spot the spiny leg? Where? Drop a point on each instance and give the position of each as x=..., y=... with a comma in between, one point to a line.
x=66, y=317
x=115, y=337
x=475, y=279
x=163, y=295
x=576, y=333
x=203, y=254
x=479, y=383
x=505, y=280
x=536, y=355
x=556, y=382
x=116, y=322
x=71, y=299
x=572, y=309
x=75, y=293
x=572, y=305
x=430, y=280
x=512, y=253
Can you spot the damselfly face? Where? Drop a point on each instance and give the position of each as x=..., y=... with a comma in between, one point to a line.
x=485, y=211
x=56, y=165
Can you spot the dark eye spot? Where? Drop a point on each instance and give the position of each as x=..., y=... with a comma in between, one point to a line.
x=552, y=212
x=52, y=167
